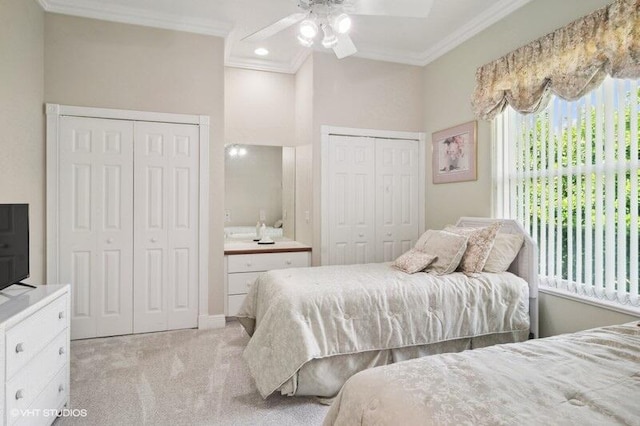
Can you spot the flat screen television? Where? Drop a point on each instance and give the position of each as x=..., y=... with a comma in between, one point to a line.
x=14, y=243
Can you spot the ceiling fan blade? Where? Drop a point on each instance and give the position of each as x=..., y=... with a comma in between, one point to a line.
x=345, y=46
x=276, y=27
x=399, y=8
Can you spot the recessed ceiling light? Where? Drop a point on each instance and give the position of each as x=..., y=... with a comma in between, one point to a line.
x=261, y=51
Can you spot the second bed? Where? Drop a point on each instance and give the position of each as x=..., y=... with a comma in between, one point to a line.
x=313, y=328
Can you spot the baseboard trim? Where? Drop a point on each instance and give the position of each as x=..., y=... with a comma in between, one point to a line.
x=211, y=321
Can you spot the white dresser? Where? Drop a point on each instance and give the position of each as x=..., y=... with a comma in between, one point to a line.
x=35, y=353
x=244, y=261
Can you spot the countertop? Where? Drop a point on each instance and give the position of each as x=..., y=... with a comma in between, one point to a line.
x=232, y=247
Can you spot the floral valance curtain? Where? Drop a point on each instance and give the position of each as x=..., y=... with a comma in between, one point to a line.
x=569, y=62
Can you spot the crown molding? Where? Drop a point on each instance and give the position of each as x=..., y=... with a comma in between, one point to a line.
x=128, y=15
x=407, y=58
x=481, y=22
x=267, y=65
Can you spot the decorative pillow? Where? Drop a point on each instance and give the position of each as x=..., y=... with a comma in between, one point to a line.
x=413, y=261
x=448, y=247
x=478, y=247
x=505, y=248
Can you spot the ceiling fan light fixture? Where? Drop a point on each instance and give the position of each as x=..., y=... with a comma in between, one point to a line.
x=308, y=29
x=330, y=39
x=341, y=23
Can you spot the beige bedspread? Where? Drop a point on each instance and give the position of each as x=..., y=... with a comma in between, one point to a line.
x=296, y=315
x=587, y=378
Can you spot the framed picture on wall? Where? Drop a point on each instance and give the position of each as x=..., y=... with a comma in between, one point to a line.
x=454, y=156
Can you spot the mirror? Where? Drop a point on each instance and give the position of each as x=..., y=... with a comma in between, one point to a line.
x=259, y=187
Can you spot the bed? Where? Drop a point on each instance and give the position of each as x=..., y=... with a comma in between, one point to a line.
x=585, y=378
x=313, y=328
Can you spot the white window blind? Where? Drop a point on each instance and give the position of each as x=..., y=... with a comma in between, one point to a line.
x=570, y=175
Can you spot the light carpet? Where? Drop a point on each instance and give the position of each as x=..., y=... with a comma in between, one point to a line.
x=186, y=377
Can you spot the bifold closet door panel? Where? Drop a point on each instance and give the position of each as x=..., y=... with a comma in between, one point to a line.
x=166, y=226
x=96, y=223
x=397, y=197
x=351, y=200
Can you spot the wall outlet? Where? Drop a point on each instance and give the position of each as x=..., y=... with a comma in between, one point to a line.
x=263, y=215
x=307, y=216
x=227, y=216
x=284, y=214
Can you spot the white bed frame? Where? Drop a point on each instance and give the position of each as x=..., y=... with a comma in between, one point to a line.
x=525, y=264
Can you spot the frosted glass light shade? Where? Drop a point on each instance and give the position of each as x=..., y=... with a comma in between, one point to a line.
x=308, y=29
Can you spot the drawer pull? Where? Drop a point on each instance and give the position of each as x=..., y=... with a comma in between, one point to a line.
x=288, y=262
x=60, y=388
x=248, y=264
x=60, y=314
x=19, y=348
x=61, y=350
x=360, y=235
x=389, y=234
x=248, y=284
x=109, y=240
x=19, y=394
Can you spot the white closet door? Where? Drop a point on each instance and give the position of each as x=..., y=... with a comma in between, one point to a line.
x=166, y=226
x=397, y=197
x=96, y=219
x=351, y=200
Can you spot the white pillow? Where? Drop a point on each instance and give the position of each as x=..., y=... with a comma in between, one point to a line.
x=505, y=249
x=413, y=261
x=448, y=247
x=478, y=246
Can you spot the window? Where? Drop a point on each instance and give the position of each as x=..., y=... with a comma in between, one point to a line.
x=570, y=175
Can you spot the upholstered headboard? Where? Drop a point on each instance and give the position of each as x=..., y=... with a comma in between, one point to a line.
x=525, y=264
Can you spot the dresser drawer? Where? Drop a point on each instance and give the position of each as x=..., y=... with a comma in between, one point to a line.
x=266, y=261
x=53, y=397
x=28, y=383
x=28, y=337
x=241, y=282
x=234, y=303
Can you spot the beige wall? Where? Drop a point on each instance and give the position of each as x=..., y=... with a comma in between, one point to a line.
x=22, y=150
x=259, y=107
x=289, y=192
x=361, y=93
x=104, y=64
x=367, y=94
x=448, y=85
x=560, y=315
x=253, y=182
x=304, y=158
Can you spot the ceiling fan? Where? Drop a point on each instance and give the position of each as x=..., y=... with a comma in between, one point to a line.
x=332, y=18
